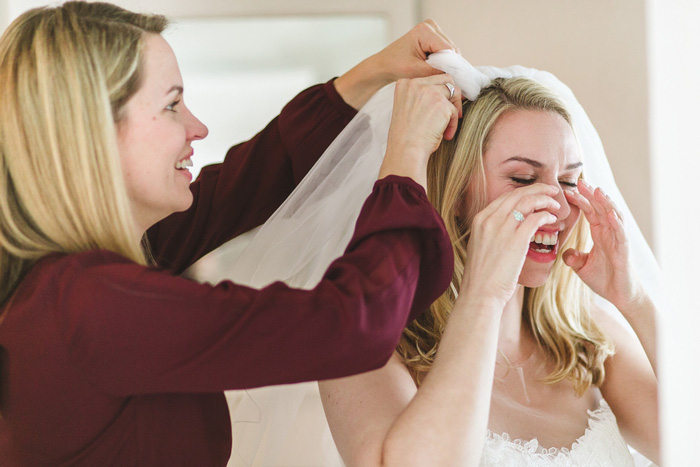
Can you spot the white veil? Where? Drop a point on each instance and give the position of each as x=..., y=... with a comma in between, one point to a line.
x=285, y=425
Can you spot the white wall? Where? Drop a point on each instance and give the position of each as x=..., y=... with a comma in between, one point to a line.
x=674, y=46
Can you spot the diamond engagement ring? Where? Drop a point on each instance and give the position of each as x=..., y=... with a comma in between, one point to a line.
x=451, y=88
x=518, y=215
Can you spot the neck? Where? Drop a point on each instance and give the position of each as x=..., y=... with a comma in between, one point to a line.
x=514, y=338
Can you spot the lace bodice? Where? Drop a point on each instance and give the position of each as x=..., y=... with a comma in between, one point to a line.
x=601, y=445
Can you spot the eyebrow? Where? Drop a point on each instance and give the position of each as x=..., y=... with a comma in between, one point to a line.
x=177, y=88
x=537, y=164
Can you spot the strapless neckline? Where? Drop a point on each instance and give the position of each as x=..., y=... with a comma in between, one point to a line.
x=601, y=444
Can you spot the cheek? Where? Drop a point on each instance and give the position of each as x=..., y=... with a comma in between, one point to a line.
x=494, y=189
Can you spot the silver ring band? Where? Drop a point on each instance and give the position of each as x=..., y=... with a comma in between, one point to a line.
x=451, y=89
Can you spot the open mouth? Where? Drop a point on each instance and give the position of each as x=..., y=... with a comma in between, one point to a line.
x=544, y=242
x=184, y=164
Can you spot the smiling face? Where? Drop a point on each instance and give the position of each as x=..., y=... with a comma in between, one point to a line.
x=154, y=136
x=528, y=146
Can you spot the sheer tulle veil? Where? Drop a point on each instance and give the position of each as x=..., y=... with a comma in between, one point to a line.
x=285, y=425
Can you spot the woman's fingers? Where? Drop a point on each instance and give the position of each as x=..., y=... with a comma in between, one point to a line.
x=454, y=95
x=435, y=27
x=424, y=113
x=415, y=100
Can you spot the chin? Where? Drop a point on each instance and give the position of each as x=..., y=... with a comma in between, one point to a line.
x=534, y=277
x=183, y=203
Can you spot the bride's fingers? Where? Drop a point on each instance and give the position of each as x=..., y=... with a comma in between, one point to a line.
x=606, y=202
x=511, y=200
x=595, y=204
x=599, y=200
x=618, y=227
x=578, y=200
x=574, y=259
x=532, y=222
x=530, y=204
x=588, y=193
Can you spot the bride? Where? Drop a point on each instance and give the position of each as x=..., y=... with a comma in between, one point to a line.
x=515, y=349
x=515, y=345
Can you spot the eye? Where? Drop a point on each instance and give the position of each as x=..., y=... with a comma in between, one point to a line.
x=568, y=183
x=172, y=105
x=523, y=181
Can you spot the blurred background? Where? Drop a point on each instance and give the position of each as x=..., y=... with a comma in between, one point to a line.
x=632, y=64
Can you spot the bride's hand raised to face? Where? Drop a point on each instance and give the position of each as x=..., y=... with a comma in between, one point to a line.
x=606, y=269
x=425, y=110
x=499, y=241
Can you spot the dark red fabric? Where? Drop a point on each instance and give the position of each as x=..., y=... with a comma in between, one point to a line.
x=111, y=363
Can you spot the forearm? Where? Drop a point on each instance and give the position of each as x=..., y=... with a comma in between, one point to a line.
x=446, y=421
x=641, y=315
x=361, y=82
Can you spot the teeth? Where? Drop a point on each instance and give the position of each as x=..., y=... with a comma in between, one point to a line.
x=183, y=164
x=545, y=238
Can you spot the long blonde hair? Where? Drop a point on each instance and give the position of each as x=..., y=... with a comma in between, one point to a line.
x=65, y=75
x=556, y=312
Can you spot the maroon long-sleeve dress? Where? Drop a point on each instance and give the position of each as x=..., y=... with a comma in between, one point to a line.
x=105, y=362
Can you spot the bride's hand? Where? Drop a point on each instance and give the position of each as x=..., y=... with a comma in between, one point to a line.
x=498, y=242
x=606, y=269
x=424, y=111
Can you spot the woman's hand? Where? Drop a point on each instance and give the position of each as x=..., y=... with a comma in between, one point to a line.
x=498, y=242
x=606, y=269
x=403, y=58
x=425, y=110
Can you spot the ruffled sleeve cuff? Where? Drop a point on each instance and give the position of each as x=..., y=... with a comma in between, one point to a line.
x=400, y=204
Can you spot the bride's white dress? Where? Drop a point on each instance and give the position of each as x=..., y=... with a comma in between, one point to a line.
x=601, y=445
x=300, y=437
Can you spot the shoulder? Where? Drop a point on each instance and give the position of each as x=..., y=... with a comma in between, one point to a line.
x=91, y=266
x=612, y=324
x=88, y=281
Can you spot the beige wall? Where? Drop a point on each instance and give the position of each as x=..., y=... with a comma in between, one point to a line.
x=598, y=48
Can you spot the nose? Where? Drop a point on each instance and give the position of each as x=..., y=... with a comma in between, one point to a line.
x=564, y=207
x=195, y=128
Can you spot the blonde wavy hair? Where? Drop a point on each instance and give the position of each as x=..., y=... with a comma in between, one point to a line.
x=65, y=75
x=558, y=311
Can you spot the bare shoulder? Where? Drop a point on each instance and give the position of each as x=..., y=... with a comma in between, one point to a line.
x=613, y=325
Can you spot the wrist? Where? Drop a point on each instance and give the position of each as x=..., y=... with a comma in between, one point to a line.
x=360, y=83
x=404, y=163
x=637, y=305
x=480, y=303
